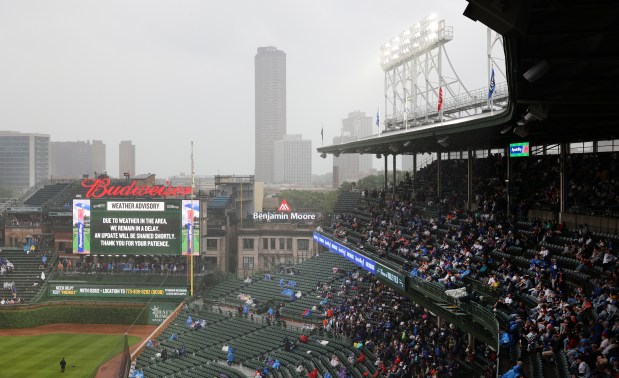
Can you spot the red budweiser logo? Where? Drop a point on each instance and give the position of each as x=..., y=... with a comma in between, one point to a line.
x=101, y=188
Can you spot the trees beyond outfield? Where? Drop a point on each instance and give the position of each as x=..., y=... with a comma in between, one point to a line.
x=324, y=202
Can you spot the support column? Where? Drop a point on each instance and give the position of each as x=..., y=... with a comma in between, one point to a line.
x=439, y=189
x=507, y=181
x=439, y=322
x=562, y=179
x=414, y=166
x=471, y=341
x=386, y=173
x=469, y=180
x=394, y=176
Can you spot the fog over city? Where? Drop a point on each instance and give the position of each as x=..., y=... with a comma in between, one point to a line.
x=164, y=73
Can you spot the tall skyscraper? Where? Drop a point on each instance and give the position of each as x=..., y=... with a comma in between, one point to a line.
x=293, y=161
x=76, y=159
x=270, y=76
x=98, y=157
x=24, y=160
x=352, y=167
x=126, y=159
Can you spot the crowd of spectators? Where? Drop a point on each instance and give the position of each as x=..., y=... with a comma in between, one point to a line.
x=23, y=220
x=591, y=183
x=117, y=265
x=556, y=288
x=13, y=299
x=6, y=266
x=405, y=338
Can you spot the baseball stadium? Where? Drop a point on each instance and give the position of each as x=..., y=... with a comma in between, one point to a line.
x=495, y=256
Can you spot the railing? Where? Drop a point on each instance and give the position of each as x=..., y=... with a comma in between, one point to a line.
x=476, y=99
x=6, y=204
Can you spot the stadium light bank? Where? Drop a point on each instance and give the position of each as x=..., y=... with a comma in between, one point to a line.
x=417, y=39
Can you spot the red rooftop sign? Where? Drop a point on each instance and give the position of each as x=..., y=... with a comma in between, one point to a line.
x=101, y=188
x=284, y=207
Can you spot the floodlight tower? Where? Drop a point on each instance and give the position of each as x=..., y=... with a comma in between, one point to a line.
x=412, y=62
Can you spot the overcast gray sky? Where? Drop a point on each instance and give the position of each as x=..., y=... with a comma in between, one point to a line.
x=163, y=73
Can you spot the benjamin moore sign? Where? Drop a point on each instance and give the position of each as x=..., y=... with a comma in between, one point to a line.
x=293, y=215
x=390, y=275
x=284, y=213
x=116, y=291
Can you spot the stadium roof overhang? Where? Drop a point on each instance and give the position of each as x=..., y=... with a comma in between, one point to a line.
x=562, y=61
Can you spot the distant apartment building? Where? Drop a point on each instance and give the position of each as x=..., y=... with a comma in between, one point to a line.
x=352, y=167
x=99, y=157
x=126, y=159
x=293, y=161
x=72, y=160
x=270, y=108
x=24, y=160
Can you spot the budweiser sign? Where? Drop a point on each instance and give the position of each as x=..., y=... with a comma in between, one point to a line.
x=100, y=188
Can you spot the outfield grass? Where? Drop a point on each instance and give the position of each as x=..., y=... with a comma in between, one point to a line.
x=39, y=356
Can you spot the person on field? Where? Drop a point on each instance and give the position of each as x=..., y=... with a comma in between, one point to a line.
x=63, y=364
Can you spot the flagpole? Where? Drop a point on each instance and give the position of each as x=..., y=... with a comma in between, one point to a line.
x=488, y=52
x=378, y=120
x=405, y=111
x=193, y=196
x=440, y=82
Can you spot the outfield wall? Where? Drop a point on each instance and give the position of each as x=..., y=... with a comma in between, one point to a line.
x=30, y=316
x=164, y=324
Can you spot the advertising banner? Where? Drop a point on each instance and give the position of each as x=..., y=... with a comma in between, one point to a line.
x=519, y=149
x=347, y=253
x=389, y=275
x=158, y=312
x=67, y=290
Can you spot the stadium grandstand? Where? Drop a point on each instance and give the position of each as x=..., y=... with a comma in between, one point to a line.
x=497, y=258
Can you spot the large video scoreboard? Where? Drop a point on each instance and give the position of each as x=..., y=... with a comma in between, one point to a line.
x=139, y=227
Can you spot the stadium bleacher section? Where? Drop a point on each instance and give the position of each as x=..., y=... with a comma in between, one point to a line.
x=45, y=194
x=347, y=201
x=26, y=275
x=356, y=326
x=591, y=185
x=552, y=288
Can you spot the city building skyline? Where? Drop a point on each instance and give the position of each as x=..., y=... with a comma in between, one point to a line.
x=99, y=157
x=126, y=159
x=76, y=159
x=24, y=160
x=270, y=109
x=352, y=167
x=293, y=161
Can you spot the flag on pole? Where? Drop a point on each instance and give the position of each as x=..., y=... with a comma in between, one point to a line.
x=378, y=118
x=405, y=105
x=322, y=133
x=492, y=85
x=440, y=99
